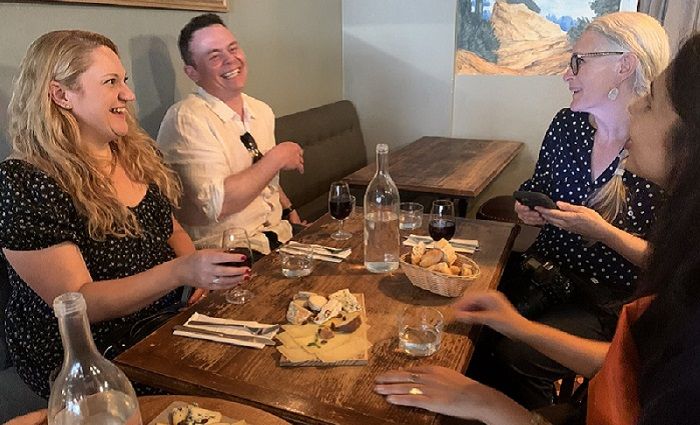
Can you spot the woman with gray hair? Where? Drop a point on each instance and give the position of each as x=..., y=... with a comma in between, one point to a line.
x=595, y=236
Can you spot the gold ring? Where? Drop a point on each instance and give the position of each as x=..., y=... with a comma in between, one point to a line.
x=415, y=391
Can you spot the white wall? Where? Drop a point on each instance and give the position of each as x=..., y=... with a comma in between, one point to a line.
x=507, y=108
x=398, y=58
x=398, y=65
x=293, y=48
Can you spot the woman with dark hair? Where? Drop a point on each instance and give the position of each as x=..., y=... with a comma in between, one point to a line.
x=649, y=374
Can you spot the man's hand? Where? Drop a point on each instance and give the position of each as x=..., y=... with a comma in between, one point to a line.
x=288, y=156
x=295, y=219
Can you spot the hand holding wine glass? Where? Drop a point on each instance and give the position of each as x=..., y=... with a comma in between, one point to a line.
x=340, y=206
x=442, y=220
x=235, y=241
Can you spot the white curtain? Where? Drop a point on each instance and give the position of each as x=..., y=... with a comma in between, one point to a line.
x=680, y=18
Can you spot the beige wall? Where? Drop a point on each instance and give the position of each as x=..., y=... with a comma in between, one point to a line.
x=293, y=47
x=507, y=108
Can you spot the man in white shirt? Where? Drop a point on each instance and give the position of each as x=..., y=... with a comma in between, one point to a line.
x=221, y=143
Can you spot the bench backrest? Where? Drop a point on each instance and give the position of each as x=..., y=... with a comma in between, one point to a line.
x=333, y=148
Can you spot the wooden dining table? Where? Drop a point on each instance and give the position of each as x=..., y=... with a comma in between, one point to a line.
x=444, y=167
x=317, y=395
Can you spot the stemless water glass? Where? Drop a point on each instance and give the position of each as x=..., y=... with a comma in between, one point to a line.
x=340, y=206
x=420, y=330
x=442, y=220
x=236, y=241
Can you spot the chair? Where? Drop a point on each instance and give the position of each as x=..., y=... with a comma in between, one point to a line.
x=501, y=208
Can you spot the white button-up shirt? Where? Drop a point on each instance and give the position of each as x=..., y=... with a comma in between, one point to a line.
x=200, y=139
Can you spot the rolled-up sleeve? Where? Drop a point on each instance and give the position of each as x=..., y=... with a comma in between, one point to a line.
x=190, y=146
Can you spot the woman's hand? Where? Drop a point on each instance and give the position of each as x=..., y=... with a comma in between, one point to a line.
x=206, y=269
x=527, y=215
x=490, y=308
x=197, y=295
x=34, y=418
x=448, y=392
x=577, y=219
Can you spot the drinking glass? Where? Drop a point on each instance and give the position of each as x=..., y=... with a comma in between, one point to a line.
x=442, y=220
x=297, y=263
x=340, y=206
x=420, y=330
x=410, y=215
x=236, y=241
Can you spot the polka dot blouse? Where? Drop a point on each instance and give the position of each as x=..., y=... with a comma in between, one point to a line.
x=35, y=214
x=563, y=172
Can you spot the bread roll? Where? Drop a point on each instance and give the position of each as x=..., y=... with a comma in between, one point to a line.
x=431, y=257
x=417, y=253
x=467, y=270
x=455, y=270
x=449, y=254
x=441, y=267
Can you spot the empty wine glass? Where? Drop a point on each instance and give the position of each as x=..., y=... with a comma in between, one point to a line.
x=340, y=206
x=236, y=241
x=442, y=220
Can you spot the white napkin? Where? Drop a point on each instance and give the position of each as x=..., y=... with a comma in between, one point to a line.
x=322, y=253
x=225, y=330
x=467, y=246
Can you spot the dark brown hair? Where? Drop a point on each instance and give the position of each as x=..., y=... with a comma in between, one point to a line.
x=673, y=268
x=196, y=23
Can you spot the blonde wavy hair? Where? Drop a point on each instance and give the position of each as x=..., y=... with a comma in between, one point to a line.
x=48, y=137
x=643, y=36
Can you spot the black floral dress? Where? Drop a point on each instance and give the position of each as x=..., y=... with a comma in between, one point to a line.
x=35, y=213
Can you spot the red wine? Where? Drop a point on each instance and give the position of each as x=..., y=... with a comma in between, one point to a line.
x=248, y=262
x=340, y=209
x=441, y=228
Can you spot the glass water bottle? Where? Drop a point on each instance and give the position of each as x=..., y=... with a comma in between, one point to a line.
x=89, y=389
x=381, y=209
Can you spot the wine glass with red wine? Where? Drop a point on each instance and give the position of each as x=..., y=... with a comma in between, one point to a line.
x=340, y=206
x=235, y=241
x=442, y=220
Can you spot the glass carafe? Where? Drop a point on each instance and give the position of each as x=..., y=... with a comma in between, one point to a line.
x=89, y=389
x=381, y=209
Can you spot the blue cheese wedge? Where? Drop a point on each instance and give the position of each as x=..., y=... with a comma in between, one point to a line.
x=348, y=300
x=329, y=310
x=193, y=415
x=297, y=314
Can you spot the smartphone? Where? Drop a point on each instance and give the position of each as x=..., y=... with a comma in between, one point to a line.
x=534, y=199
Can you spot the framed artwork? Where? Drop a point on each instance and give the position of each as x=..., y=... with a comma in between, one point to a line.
x=523, y=37
x=207, y=5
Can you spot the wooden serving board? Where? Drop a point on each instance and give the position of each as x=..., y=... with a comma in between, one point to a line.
x=360, y=360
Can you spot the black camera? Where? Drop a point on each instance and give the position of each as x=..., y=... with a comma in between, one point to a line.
x=545, y=287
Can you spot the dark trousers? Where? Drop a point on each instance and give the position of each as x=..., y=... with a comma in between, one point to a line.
x=523, y=373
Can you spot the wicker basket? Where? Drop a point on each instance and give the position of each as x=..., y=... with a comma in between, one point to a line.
x=439, y=283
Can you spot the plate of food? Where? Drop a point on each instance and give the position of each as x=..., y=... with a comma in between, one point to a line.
x=182, y=413
x=325, y=330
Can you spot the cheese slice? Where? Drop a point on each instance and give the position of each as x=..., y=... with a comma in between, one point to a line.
x=297, y=313
x=348, y=300
x=295, y=355
x=197, y=416
x=329, y=310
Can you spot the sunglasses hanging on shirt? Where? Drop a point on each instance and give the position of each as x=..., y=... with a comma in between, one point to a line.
x=252, y=147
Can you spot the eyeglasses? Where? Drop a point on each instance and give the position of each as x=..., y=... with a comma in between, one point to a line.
x=577, y=59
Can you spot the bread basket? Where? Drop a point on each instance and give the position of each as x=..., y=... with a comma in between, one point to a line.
x=439, y=283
